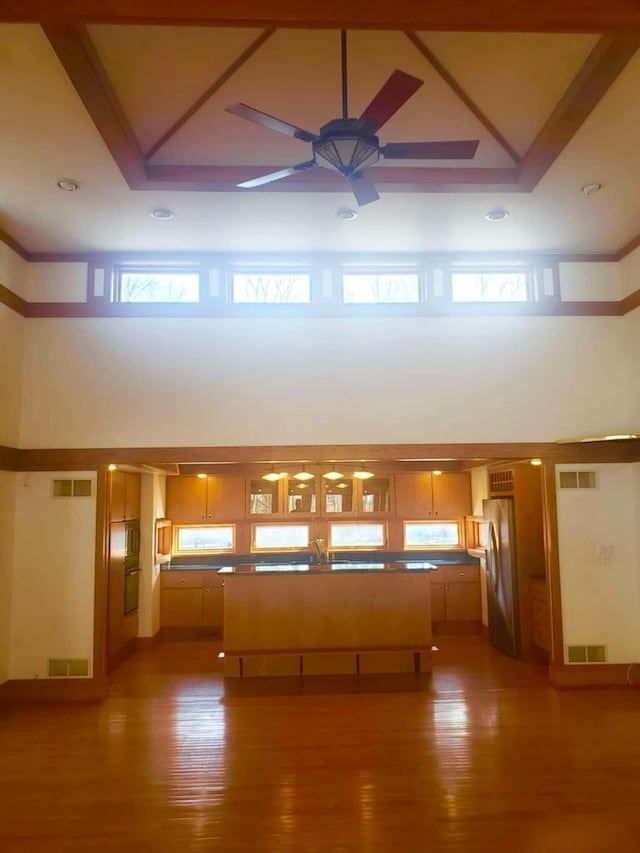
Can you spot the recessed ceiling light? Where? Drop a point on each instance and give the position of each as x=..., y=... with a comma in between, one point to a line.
x=346, y=214
x=69, y=185
x=497, y=214
x=587, y=189
x=162, y=213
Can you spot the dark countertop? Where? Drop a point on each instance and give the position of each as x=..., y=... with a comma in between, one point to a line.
x=335, y=567
x=362, y=561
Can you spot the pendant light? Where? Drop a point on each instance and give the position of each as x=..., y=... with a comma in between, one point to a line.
x=273, y=475
x=333, y=474
x=303, y=475
x=362, y=473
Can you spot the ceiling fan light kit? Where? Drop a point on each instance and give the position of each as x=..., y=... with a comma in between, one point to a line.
x=349, y=145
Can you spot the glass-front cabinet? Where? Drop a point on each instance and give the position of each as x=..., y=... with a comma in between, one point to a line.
x=316, y=495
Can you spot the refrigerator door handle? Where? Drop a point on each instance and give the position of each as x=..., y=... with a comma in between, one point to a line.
x=495, y=574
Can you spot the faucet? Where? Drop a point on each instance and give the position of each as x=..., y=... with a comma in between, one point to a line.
x=319, y=553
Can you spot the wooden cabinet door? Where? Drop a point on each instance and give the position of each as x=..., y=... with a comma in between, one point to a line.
x=186, y=499
x=452, y=495
x=181, y=608
x=437, y=602
x=462, y=601
x=413, y=495
x=117, y=495
x=226, y=498
x=132, y=495
x=213, y=607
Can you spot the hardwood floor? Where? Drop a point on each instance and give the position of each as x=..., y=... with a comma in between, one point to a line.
x=490, y=758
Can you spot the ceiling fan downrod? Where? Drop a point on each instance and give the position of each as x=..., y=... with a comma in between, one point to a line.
x=343, y=51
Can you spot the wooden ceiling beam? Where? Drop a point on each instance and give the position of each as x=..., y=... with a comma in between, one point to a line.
x=89, y=458
x=82, y=64
x=572, y=16
x=213, y=88
x=603, y=66
x=470, y=104
x=396, y=179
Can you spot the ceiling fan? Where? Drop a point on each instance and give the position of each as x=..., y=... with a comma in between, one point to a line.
x=348, y=145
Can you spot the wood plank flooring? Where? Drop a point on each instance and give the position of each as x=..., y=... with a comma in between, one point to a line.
x=489, y=759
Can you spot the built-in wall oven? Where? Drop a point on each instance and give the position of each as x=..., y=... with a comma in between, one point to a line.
x=131, y=590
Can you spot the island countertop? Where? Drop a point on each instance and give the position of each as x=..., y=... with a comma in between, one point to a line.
x=336, y=567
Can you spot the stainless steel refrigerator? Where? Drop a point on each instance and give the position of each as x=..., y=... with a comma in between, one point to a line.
x=502, y=575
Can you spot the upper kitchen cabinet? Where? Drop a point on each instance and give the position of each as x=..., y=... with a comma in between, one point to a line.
x=124, y=495
x=426, y=495
x=193, y=499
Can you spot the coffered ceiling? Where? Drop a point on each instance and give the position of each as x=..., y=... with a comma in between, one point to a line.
x=133, y=106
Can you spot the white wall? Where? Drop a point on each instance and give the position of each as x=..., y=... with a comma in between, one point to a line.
x=600, y=593
x=7, y=522
x=56, y=282
x=152, y=506
x=12, y=328
x=53, y=577
x=140, y=382
x=630, y=273
x=631, y=325
x=479, y=488
x=590, y=282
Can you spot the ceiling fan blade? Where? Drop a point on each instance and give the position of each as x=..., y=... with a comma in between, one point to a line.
x=364, y=191
x=457, y=149
x=395, y=92
x=271, y=122
x=276, y=176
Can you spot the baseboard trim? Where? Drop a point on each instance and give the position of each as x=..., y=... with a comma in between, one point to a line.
x=595, y=675
x=38, y=691
x=147, y=643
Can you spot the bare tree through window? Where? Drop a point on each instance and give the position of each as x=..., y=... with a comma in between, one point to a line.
x=289, y=288
x=378, y=288
x=151, y=286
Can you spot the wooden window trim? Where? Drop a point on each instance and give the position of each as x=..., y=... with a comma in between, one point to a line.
x=432, y=522
x=177, y=551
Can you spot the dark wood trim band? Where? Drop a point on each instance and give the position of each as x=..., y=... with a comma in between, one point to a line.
x=630, y=302
x=572, y=16
x=13, y=301
x=595, y=675
x=9, y=241
x=453, y=84
x=52, y=459
x=9, y=459
x=629, y=247
x=47, y=690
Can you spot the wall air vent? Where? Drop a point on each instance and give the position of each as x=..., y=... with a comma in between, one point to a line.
x=578, y=480
x=72, y=488
x=586, y=654
x=69, y=668
x=500, y=481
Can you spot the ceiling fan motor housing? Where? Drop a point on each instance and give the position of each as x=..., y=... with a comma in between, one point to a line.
x=345, y=146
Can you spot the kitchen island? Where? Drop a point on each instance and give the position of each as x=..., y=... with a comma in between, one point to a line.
x=301, y=620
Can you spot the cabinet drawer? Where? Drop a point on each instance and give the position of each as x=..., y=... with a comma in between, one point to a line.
x=437, y=575
x=181, y=580
x=211, y=579
x=455, y=574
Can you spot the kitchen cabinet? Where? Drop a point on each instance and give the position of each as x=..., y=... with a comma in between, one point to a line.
x=124, y=495
x=425, y=495
x=198, y=500
x=192, y=599
x=455, y=597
